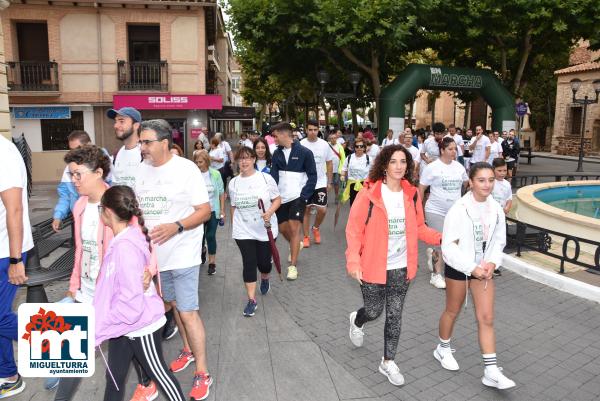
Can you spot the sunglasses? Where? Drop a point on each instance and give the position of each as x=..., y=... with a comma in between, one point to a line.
x=360, y=146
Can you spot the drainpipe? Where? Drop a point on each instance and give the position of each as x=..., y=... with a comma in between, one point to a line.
x=100, y=71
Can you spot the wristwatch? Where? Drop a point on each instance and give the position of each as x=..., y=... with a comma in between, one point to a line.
x=14, y=261
x=180, y=227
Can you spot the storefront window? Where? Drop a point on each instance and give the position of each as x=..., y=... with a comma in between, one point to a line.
x=56, y=132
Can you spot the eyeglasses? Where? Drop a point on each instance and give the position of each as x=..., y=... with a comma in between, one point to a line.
x=77, y=174
x=148, y=141
x=360, y=146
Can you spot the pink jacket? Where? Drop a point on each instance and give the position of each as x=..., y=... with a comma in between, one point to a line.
x=105, y=236
x=120, y=302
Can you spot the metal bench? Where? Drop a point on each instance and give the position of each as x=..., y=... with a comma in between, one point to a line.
x=46, y=241
x=526, y=153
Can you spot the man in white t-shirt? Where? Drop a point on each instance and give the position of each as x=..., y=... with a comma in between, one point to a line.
x=15, y=241
x=431, y=147
x=323, y=156
x=480, y=146
x=128, y=158
x=414, y=152
x=389, y=139
x=460, y=144
x=175, y=203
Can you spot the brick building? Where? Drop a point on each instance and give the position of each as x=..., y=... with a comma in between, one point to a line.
x=68, y=62
x=566, y=139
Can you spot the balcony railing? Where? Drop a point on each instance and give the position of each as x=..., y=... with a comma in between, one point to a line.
x=143, y=76
x=32, y=76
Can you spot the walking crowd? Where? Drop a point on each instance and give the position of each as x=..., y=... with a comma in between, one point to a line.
x=145, y=220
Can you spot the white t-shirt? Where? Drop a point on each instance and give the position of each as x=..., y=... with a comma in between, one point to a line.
x=219, y=154
x=168, y=194
x=394, y=207
x=357, y=167
x=495, y=151
x=414, y=152
x=458, y=139
x=126, y=165
x=374, y=151
x=247, y=143
x=322, y=153
x=502, y=192
x=341, y=140
x=387, y=142
x=478, y=154
x=335, y=162
x=244, y=193
x=431, y=149
x=90, y=259
x=286, y=153
x=445, y=182
x=226, y=149
x=210, y=187
x=13, y=175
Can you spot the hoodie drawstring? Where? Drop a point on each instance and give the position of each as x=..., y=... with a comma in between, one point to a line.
x=108, y=368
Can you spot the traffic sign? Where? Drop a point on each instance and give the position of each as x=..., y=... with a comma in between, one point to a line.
x=521, y=109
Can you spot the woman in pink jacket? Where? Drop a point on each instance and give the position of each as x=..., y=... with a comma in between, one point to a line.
x=130, y=317
x=88, y=168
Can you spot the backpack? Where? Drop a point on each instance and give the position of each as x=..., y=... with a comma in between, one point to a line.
x=350, y=155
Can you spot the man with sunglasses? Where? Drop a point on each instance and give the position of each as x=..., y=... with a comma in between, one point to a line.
x=175, y=204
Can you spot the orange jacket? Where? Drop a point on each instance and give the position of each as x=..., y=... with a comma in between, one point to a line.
x=368, y=244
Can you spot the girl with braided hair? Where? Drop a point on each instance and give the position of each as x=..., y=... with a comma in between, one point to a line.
x=129, y=316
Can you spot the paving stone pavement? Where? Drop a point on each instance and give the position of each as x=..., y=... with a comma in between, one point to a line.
x=297, y=345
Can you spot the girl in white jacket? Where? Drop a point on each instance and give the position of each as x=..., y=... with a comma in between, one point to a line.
x=473, y=240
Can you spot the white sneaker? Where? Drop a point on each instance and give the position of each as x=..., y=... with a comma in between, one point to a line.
x=429, y=256
x=392, y=372
x=445, y=357
x=437, y=280
x=292, y=273
x=493, y=377
x=356, y=333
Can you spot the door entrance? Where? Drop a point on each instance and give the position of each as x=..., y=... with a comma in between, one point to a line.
x=178, y=127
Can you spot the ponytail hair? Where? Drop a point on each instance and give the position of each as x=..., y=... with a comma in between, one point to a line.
x=122, y=201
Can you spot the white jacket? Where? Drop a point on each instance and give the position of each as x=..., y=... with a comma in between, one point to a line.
x=458, y=244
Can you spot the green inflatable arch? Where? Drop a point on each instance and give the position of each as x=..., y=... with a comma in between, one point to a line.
x=421, y=76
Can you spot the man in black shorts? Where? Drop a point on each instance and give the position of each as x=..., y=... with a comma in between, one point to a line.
x=323, y=155
x=293, y=168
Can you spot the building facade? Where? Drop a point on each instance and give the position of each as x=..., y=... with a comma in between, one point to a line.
x=68, y=63
x=568, y=117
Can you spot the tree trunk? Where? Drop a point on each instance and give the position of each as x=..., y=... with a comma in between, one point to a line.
x=524, y=58
x=467, y=112
x=261, y=116
x=410, y=111
x=354, y=119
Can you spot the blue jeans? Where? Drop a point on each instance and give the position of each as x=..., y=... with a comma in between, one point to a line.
x=8, y=321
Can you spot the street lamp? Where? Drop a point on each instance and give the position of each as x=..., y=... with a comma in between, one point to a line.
x=323, y=77
x=575, y=85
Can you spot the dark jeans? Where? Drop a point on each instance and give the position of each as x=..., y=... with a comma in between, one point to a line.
x=391, y=295
x=254, y=254
x=8, y=320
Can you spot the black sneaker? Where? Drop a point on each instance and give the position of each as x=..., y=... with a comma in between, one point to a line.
x=250, y=308
x=265, y=286
x=10, y=388
x=170, y=328
x=497, y=272
x=212, y=269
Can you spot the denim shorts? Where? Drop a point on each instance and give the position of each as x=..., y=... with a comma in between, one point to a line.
x=181, y=286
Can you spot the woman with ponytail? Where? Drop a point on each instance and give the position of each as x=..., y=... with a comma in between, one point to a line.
x=127, y=315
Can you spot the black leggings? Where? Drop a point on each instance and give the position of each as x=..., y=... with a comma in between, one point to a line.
x=353, y=193
x=392, y=294
x=148, y=351
x=254, y=254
